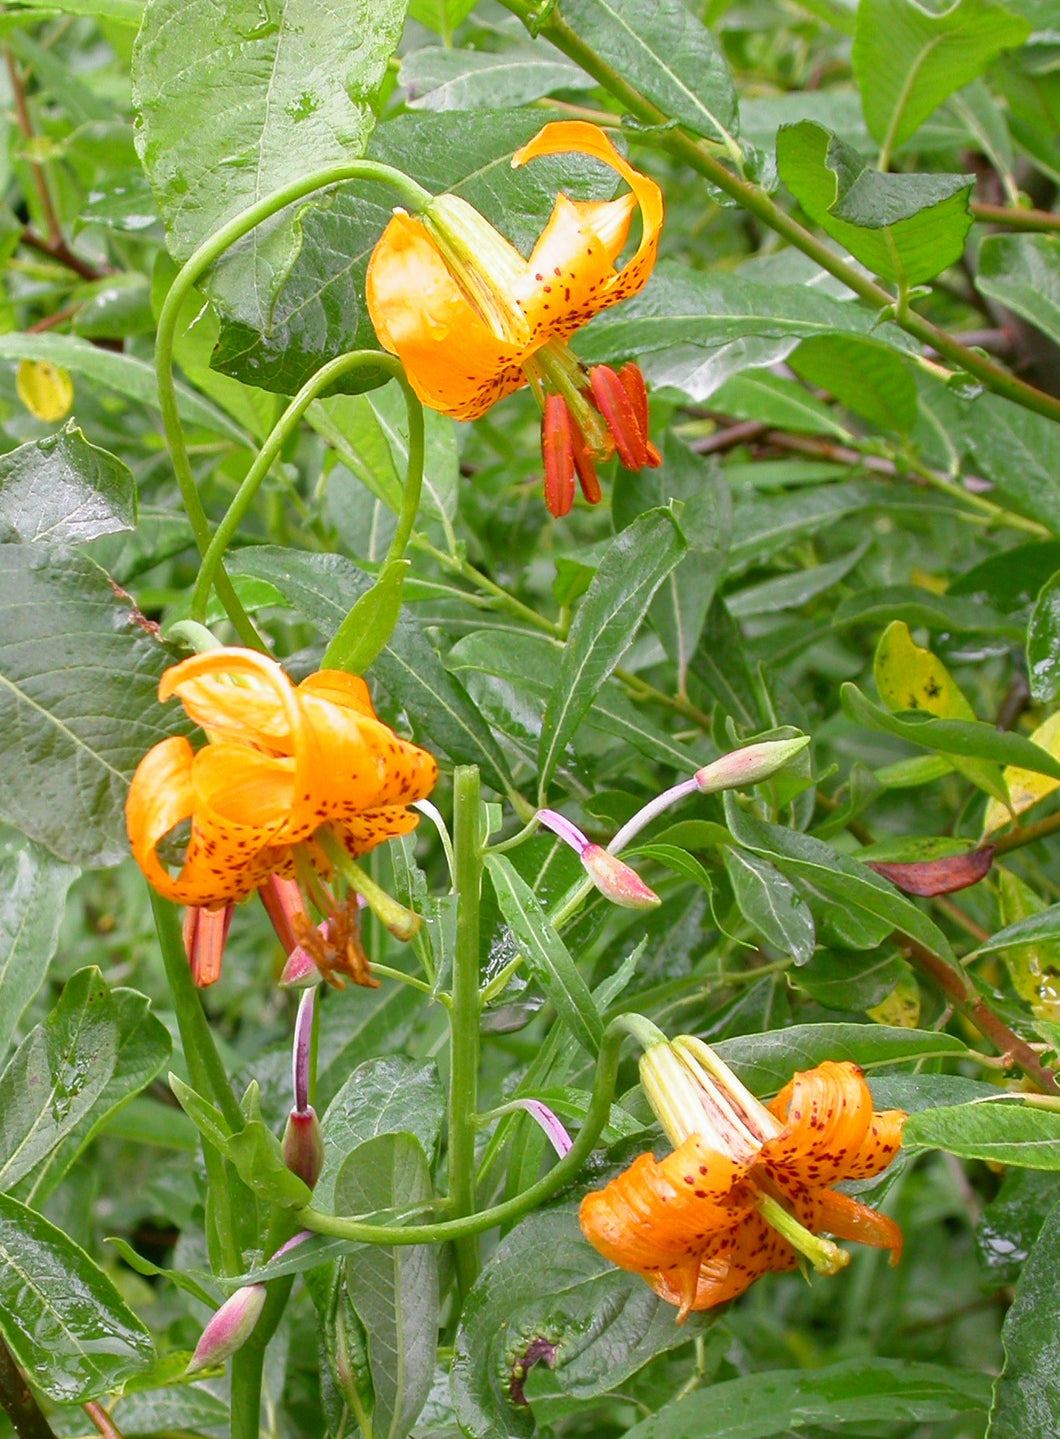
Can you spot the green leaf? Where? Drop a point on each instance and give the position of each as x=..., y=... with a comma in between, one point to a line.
x=691, y=316
x=78, y=702
x=856, y=1392
x=33, y=889
x=135, y=379
x=845, y=881
x=850, y=979
x=324, y=588
x=771, y=904
x=122, y=12
x=865, y=376
x=998, y=1131
x=65, y=489
x=1027, y=1393
x=453, y=79
x=56, y=1075
x=1019, y=452
x=1022, y=272
x=765, y=1062
x=366, y=629
x=779, y=402
x=917, y=606
x=206, y=1117
x=665, y=53
x=235, y=103
x=441, y=16
x=394, y=1291
x=382, y=1096
x=1043, y=642
x=950, y=736
x=634, y=567
x=545, y=1283
x=907, y=59
x=1037, y=929
x=907, y=228
x=255, y=1152
x=546, y=955
x=64, y=1320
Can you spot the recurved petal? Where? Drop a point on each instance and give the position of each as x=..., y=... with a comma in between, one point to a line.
x=826, y=1114
x=342, y=689
x=161, y=797
x=881, y=1143
x=454, y=361
x=579, y=136
x=364, y=831
x=846, y=1218
x=237, y=693
x=569, y=275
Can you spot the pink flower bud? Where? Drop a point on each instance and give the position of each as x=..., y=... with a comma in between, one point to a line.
x=229, y=1329
x=616, y=881
x=303, y=1145
x=750, y=765
x=301, y=970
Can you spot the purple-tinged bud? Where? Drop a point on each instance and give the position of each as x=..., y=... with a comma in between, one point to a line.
x=750, y=765
x=616, y=881
x=551, y=1124
x=301, y=970
x=229, y=1329
x=303, y=1145
x=302, y=1051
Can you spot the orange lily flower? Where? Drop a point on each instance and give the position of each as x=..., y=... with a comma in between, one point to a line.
x=747, y=1188
x=292, y=778
x=472, y=321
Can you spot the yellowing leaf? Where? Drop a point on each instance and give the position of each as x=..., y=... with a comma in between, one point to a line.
x=1033, y=968
x=911, y=678
x=1026, y=788
x=46, y=390
x=902, y=1005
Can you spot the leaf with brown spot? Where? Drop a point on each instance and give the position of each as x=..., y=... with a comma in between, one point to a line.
x=938, y=876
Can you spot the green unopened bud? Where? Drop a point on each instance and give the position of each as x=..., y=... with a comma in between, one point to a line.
x=750, y=765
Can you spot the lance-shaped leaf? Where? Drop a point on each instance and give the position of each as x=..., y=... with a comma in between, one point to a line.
x=448, y=78
x=667, y=54
x=908, y=59
x=906, y=228
x=64, y=1320
x=1043, y=642
x=63, y=488
x=765, y=1062
x=1001, y=1132
x=864, y=375
x=1029, y=1386
x=606, y=624
x=1034, y=969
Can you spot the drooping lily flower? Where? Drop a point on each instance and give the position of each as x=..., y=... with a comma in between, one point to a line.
x=472, y=320
x=748, y=1188
x=294, y=781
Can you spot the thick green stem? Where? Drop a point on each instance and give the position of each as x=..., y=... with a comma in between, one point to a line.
x=464, y=1014
x=520, y=1204
x=752, y=198
x=206, y=255
x=248, y=1363
x=207, y=1075
x=277, y=438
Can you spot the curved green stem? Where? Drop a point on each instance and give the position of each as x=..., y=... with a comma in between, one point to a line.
x=211, y=249
x=277, y=438
x=562, y=1173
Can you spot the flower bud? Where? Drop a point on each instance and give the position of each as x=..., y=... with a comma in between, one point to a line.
x=229, y=1329
x=616, y=881
x=750, y=765
x=301, y=970
x=303, y=1145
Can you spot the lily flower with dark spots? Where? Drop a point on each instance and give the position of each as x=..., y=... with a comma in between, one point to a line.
x=748, y=1188
x=472, y=321
x=294, y=782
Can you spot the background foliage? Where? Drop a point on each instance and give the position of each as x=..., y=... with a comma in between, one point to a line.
x=851, y=346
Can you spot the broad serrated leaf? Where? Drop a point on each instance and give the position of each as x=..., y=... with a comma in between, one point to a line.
x=65, y=489
x=78, y=702
x=854, y=1392
x=547, y=1295
x=908, y=59
x=636, y=563
x=394, y=1291
x=667, y=54
x=33, y=888
x=907, y=228
x=64, y=1320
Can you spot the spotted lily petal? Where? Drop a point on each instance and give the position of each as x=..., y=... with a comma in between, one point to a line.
x=826, y=1113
